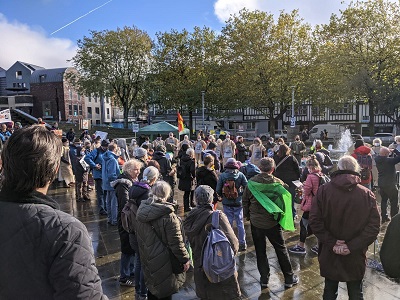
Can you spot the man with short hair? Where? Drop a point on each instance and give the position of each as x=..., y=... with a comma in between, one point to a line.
x=345, y=219
x=44, y=253
x=387, y=182
x=298, y=148
x=264, y=191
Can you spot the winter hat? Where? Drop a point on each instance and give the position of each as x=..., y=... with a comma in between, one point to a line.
x=140, y=152
x=105, y=143
x=203, y=195
x=161, y=148
x=358, y=144
x=231, y=163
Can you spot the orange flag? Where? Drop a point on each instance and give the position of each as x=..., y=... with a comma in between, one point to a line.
x=180, y=122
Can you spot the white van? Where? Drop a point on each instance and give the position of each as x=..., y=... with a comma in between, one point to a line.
x=334, y=131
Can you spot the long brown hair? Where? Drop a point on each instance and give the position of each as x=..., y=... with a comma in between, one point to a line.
x=283, y=150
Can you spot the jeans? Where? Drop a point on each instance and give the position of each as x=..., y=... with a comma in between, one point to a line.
x=101, y=197
x=140, y=286
x=275, y=237
x=127, y=265
x=354, y=289
x=112, y=207
x=236, y=213
x=389, y=192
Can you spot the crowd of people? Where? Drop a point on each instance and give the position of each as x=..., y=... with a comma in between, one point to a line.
x=257, y=183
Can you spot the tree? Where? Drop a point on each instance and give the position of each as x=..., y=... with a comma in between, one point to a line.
x=362, y=45
x=266, y=58
x=114, y=63
x=185, y=65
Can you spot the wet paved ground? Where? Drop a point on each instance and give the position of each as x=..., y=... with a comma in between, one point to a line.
x=106, y=247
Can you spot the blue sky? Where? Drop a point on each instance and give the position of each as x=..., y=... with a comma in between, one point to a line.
x=26, y=25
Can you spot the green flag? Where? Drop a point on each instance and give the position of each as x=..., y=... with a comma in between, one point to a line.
x=282, y=205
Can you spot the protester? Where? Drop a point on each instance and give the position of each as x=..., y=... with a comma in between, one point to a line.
x=122, y=186
x=159, y=227
x=70, y=135
x=139, y=192
x=389, y=253
x=387, y=183
x=81, y=173
x=364, y=158
x=270, y=146
x=262, y=190
x=45, y=253
x=345, y=219
x=211, y=148
x=158, y=142
x=241, y=150
x=228, y=148
x=256, y=151
x=376, y=148
x=187, y=176
x=230, y=187
x=195, y=223
x=298, y=148
x=206, y=175
x=318, y=147
x=199, y=146
x=65, y=166
x=310, y=189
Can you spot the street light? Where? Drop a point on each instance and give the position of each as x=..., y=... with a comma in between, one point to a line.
x=202, y=103
x=293, y=119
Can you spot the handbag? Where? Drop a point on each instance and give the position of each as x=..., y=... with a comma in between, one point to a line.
x=177, y=266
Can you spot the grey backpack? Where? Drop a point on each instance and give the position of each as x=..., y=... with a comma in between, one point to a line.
x=218, y=259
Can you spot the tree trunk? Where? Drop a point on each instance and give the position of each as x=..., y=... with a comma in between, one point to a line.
x=271, y=124
x=190, y=123
x=371, y=125
x=126, y=113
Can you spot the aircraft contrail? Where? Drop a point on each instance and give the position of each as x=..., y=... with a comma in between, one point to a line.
x=80, y=17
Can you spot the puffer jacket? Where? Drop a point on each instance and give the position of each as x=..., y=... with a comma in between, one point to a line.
x=253, y=210
x=240, y=183
x=44, y=252
x=122, y=186
x=154, y=255
x=310, y=189
x=194, y=225
x=110, y=170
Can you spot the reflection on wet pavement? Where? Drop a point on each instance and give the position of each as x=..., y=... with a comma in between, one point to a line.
x=107, y=252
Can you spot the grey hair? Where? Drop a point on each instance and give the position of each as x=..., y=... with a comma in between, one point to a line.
x=318, y=143
x=130, y=165
x=160, y=191
x=203, y=194
x=149, y=174
x=377, y=140
x=348, y=163
x=266, y=164
x=190, y=152
x=397, y=138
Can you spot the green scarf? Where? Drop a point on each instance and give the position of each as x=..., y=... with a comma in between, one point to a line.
x=281, y=206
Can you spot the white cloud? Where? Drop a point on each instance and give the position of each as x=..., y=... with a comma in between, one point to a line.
x=27, y=44
x=313, y=11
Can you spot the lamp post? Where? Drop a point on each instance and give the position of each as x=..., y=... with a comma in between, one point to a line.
x=293, y=119
x=202, y=110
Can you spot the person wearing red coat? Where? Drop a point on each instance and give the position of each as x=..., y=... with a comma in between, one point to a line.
x=345, y=219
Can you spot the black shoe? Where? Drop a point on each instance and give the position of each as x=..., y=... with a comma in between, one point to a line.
x=242, y=247
x=187, y=209
x=294, y=281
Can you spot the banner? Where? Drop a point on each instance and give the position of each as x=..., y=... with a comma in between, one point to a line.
x=180, y=122
x=5, y=116
x=101, y=134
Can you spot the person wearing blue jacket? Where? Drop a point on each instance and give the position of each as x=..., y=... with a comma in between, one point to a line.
x=95, y=161
x=110, y=172
x=233, y=207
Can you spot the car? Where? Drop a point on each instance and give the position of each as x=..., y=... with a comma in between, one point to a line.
x=279, y=133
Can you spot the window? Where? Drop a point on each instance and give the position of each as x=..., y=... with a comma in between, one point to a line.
x=97, y=122
x=23, y=84
x=79, y=97
x=18, y=74
x=95, y=99
x=318, y=111
x=97, y=110
x=108, y=112
x=75, y=110
x=302, y=110
x=90, y=98
x=70, y=93
x=80, y=110
x=107, y=100
x=345, y=109
x=89, y=111
x=46, y=109
x=70, y=110
x=42, y=78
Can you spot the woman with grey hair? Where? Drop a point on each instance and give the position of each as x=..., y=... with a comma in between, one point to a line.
x=195, y=224
x=159, y=236
x=140, y=191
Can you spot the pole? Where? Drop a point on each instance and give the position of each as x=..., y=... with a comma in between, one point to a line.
x=202, y=103
x=293, y=101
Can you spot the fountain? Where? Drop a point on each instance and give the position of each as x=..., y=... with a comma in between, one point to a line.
x=344, y=143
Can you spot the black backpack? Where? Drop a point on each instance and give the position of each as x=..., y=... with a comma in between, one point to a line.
x=322, y=179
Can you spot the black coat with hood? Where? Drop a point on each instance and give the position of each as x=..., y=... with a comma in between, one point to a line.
x=44, y=252
x=186, y=183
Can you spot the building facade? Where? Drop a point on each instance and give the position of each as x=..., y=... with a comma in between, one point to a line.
x=18, y=78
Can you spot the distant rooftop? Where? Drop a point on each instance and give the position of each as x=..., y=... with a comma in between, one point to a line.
x=31, y=66
x=48, y=75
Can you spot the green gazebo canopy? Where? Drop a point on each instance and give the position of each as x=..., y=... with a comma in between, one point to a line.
x=163, y=128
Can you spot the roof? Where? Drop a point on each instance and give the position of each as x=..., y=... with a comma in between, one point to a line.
x=162, y=128
x=31, y=66
x=48, y=75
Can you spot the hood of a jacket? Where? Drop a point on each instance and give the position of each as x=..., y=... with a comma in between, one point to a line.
x=186, y=158
x=149, y=210
x=231, y=174
x=203, y=171
x=345, y=180
x=158, y=155
x=109, y=155
x=124, y=179
x=138, y=190
x=363, y=150
x=196, y=220
x=266, y=178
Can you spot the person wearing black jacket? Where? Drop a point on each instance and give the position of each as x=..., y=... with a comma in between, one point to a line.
x=45, y=253
x=130, y=172
x=166, y=170
x=287, y=169
x=206, y=175
x=241, y=150
x=188, y=165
